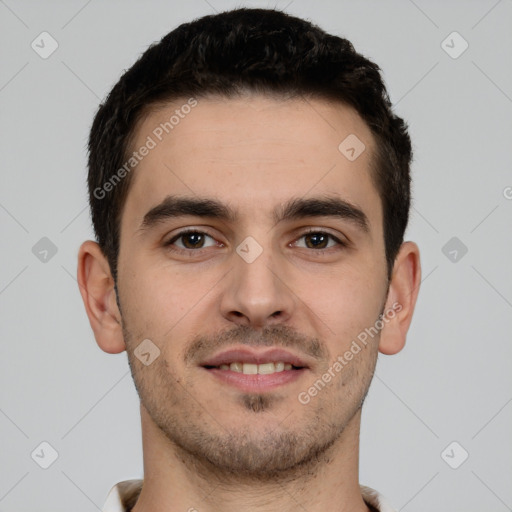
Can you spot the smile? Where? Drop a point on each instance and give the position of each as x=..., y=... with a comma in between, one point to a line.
x=257, y=369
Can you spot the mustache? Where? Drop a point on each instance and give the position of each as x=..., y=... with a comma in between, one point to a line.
x=281, y=336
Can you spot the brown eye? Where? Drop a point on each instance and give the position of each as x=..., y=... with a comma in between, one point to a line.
x=316, y=240
x=190, y=240
x=193, y=240
x=319, y=240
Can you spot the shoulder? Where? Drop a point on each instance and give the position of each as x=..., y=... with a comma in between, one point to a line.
x=123, y=496
x=375, y=499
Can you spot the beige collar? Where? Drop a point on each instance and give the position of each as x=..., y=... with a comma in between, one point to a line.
x=123, y=496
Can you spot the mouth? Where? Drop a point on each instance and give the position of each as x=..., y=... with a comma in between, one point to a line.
x=255, y=371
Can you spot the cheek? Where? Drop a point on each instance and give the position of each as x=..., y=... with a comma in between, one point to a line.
x=168, y=306
x=347, y=304
x=161, y=294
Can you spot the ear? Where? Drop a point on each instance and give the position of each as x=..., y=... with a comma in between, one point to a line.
x=99, y=296
x=401, y=299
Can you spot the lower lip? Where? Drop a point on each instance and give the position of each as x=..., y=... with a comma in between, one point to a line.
x=258, y=382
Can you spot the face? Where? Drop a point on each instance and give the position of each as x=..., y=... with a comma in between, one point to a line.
x=248, y=237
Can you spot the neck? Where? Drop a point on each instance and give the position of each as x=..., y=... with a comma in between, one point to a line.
x=174, y=480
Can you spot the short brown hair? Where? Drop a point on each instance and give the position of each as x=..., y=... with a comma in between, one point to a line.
x=261, y=50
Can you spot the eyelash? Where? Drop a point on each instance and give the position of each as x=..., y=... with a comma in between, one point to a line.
x=169, y=244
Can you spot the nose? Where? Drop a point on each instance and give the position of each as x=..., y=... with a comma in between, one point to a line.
x=257, y=293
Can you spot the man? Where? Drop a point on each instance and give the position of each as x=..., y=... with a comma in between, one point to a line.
x=249, y=188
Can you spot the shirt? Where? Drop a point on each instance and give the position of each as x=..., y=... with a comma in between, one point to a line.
x=123, y=496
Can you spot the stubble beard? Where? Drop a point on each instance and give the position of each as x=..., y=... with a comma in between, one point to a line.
x=291, y=450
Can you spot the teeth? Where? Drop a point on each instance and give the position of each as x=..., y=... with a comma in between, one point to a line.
x=279, y=367
x=253, y=369
x=249, y=369
x=236, y=367
x=266, y=368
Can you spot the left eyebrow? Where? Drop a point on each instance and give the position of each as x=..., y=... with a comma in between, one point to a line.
x=294, y=209
x=322, y=207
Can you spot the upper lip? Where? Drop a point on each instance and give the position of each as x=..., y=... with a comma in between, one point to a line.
x=245, y=355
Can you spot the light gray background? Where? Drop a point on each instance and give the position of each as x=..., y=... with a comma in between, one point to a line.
x=452, y=382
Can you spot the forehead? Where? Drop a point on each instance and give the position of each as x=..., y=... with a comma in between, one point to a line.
x=254, y=153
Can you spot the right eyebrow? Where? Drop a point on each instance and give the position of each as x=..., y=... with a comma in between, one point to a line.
x=173, y=206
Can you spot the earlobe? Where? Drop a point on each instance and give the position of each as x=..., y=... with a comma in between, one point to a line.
x=401, y=300
x=99, y=296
